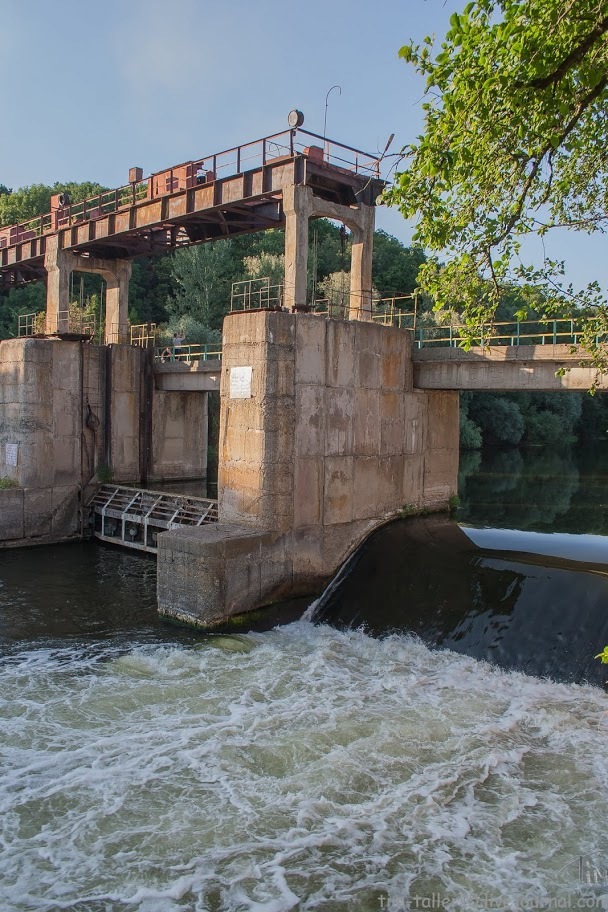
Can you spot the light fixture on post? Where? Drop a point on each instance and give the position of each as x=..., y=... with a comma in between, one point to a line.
x=295, y=119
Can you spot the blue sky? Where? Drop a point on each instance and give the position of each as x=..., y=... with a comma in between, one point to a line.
x=93, y=88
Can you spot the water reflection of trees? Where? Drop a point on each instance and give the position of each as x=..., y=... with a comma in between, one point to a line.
x=530, y=489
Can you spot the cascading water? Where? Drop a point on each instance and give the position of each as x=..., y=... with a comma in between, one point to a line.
x=300, y=768
x=148, y=769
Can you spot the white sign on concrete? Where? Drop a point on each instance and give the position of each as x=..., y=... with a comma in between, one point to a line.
x=240, y=382
x=12, y=454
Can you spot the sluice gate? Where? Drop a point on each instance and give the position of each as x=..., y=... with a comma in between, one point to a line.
x=133, y=517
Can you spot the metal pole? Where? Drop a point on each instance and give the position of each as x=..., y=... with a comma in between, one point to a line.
x=339, y=88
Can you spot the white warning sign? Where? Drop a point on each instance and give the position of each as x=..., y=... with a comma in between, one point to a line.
x=240, y=382
x=12, y=454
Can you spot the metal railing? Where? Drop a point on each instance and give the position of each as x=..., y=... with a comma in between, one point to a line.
x=68, y=322
x=188, y=353
x=229, y=163
x=560, y=331
x=256, y=294
x=134, y=517
x=30, y=324
x=143, y=334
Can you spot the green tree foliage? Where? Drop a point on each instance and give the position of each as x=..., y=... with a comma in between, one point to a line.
x=203, y=275
x=529, y=419
x=395, y=267
x=21, y=205
x=514, y=142
x=26, y=300
x=150, y=289
x=499, y=418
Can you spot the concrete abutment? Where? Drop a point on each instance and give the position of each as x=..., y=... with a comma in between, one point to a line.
x=67, y=408
x=322, y=439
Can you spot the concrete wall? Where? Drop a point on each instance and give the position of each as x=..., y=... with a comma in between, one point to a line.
x=179, y=435
x=50, y=452
x=44, y=386
x=328, y=441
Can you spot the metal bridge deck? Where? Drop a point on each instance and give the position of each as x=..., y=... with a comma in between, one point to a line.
x=221, y=195
x=133, y=517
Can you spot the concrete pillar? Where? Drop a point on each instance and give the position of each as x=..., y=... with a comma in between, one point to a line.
x=296, y=209
x=361, y=266
x=58, y=265
x=117, y=275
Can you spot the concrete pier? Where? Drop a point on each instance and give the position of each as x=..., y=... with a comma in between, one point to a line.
x=67, y=408
x=322, y=439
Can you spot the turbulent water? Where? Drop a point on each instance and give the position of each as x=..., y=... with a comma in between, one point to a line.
x=300, y=768
x=148, y=769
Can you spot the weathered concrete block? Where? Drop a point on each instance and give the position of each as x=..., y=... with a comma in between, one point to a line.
x=392, y=422
x=38, y=512
x=339, y=409
x=308, y=491
x=365, y=487
x=12, y=525
x=310, y=421
x=207, y=590
x=366, y=422
x=390, y=483
x=310, y=350
x=338, y=495
x=339, y=364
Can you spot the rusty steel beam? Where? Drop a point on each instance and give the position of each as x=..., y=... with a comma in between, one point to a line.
x=218, y=207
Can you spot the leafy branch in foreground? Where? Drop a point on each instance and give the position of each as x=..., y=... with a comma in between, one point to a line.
x=514, y=144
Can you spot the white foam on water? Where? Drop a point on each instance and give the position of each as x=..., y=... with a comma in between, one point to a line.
x=304, y=768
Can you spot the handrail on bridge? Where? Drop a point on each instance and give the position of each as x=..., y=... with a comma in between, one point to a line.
x=557, y=331
x=228, y=163
x=388, y=312
x=186, y=354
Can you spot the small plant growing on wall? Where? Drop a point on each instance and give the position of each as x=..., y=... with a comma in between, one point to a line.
x=6, y=483
x=104, y=473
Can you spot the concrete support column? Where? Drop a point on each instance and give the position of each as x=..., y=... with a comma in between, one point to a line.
x=58, y=265
x=117, y=275
x=296, y=208
x=361, y=266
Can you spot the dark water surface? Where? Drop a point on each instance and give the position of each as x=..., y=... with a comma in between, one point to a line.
x=521, y=580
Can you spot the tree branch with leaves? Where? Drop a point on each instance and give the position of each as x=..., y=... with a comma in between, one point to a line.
x=514, y=144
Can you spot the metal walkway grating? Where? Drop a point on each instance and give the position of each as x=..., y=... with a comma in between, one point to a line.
x=133, y=517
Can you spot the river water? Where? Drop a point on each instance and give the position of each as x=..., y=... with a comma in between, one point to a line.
x=314, y=766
